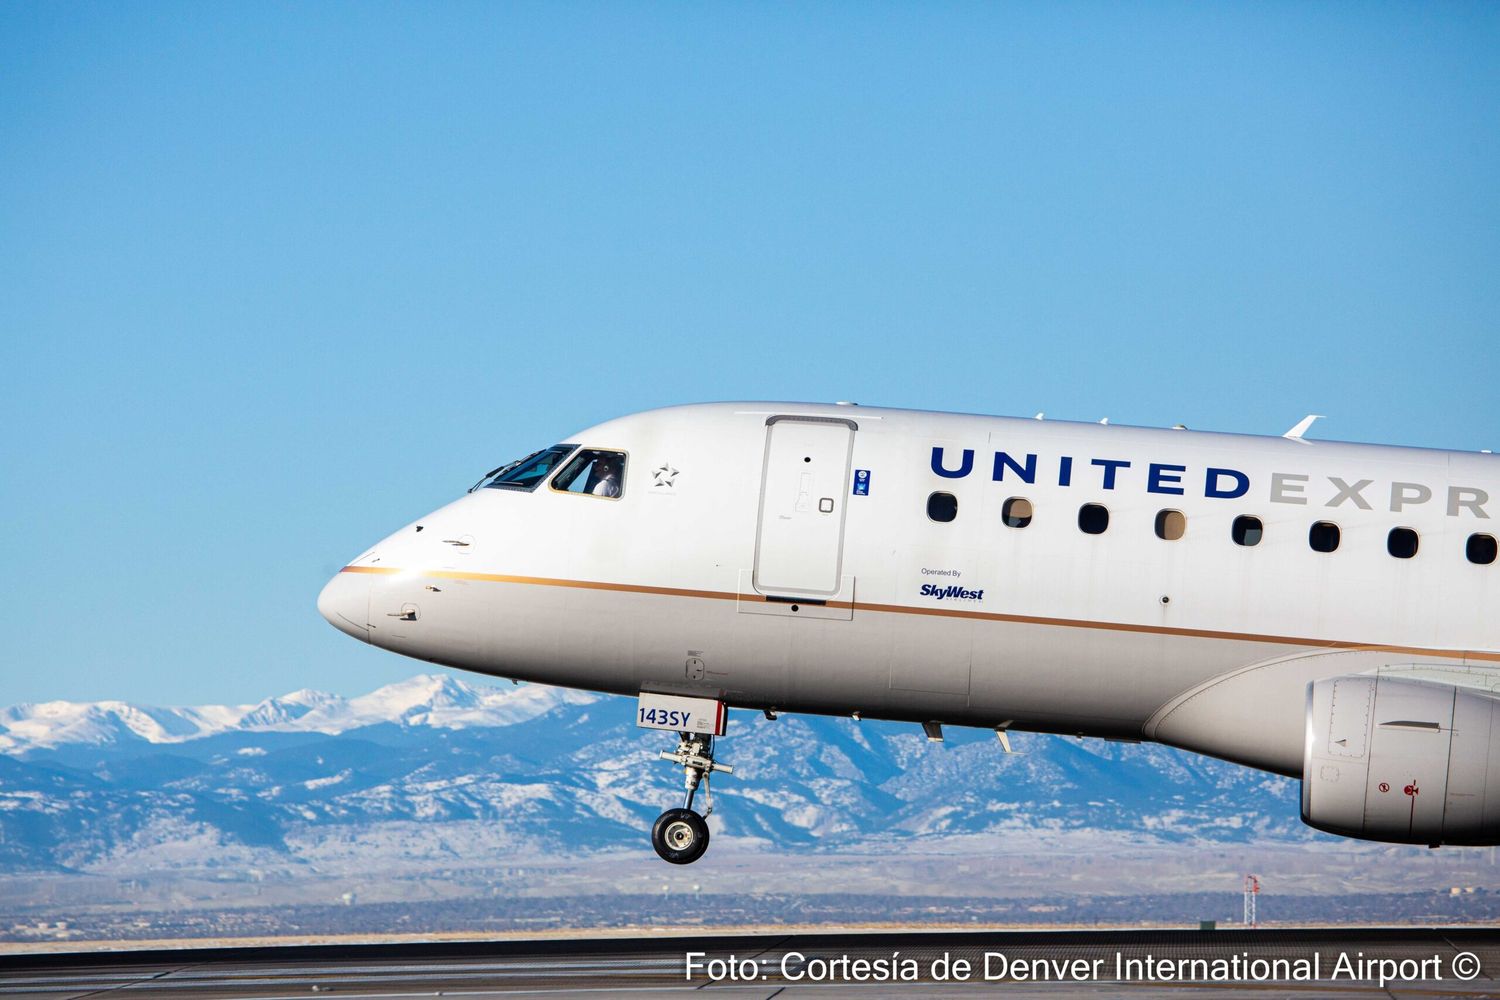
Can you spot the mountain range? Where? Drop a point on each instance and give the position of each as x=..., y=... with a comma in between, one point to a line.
x=438, y=701
x=87, y=785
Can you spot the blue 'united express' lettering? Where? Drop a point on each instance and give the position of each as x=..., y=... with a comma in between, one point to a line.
x=1027, y=472
x=1213, y=489
x=964, y=468
x=1110, y=467
x=1161, y=477
x=1219, y=483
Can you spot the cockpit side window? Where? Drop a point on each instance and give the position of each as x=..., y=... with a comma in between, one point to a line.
x=526, y=473
x=593, y=472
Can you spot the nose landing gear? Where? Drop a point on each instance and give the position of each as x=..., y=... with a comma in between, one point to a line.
x=680, y=836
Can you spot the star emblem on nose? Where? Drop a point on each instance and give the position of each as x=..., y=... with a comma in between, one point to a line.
x=664, y=475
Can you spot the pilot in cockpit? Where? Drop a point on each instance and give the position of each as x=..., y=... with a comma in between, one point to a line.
x=605, y=481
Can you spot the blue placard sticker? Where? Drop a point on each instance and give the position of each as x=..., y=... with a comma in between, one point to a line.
x=861, y=482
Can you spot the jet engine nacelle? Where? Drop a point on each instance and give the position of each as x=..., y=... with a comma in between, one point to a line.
x=1401, y=760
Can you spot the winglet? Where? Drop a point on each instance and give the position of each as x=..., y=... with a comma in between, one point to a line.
x=1295, y=434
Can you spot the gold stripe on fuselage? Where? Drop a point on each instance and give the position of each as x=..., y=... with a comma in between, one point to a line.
x=902, y=609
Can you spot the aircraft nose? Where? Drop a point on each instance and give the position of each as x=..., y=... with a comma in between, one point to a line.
x=345, y=602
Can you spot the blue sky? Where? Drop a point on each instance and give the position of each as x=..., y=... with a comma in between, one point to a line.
x=278, y=277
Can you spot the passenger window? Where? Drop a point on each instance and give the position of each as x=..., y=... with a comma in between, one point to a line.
x=1323, y=536
x=1401, y=543
x=593, y=473
x=1170, y=525
x=1246, y=530
x=1016, y=513
x=942, y=506
x=1481, y=549
x=1093, y=519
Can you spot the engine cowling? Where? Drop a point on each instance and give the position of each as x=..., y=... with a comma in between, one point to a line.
x=1401, y=760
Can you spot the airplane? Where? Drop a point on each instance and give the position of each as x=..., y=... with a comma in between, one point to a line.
x=1320, y=610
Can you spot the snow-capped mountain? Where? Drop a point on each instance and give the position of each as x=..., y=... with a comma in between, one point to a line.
x=538, y=767
x=435, y=700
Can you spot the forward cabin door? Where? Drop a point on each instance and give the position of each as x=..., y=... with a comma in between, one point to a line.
x=804, y=489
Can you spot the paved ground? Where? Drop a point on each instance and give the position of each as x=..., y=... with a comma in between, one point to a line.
x=1181, y=964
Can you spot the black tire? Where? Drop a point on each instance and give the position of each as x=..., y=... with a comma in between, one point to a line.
x=680, y=836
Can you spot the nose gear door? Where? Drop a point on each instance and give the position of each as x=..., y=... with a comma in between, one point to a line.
x=804, y=491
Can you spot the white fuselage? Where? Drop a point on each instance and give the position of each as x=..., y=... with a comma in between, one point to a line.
x=747, y=559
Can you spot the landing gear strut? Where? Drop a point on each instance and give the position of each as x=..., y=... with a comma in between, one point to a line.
x=681, y=835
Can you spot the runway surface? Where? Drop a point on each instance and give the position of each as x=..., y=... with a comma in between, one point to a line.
x=1428, y=963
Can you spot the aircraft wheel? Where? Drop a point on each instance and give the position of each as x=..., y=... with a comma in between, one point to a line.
x=680, y=836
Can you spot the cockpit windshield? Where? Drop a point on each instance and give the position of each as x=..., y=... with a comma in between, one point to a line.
x=525, y=473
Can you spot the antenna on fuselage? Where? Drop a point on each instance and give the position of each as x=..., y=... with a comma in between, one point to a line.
x=1002, y=733
x=1295, y=434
